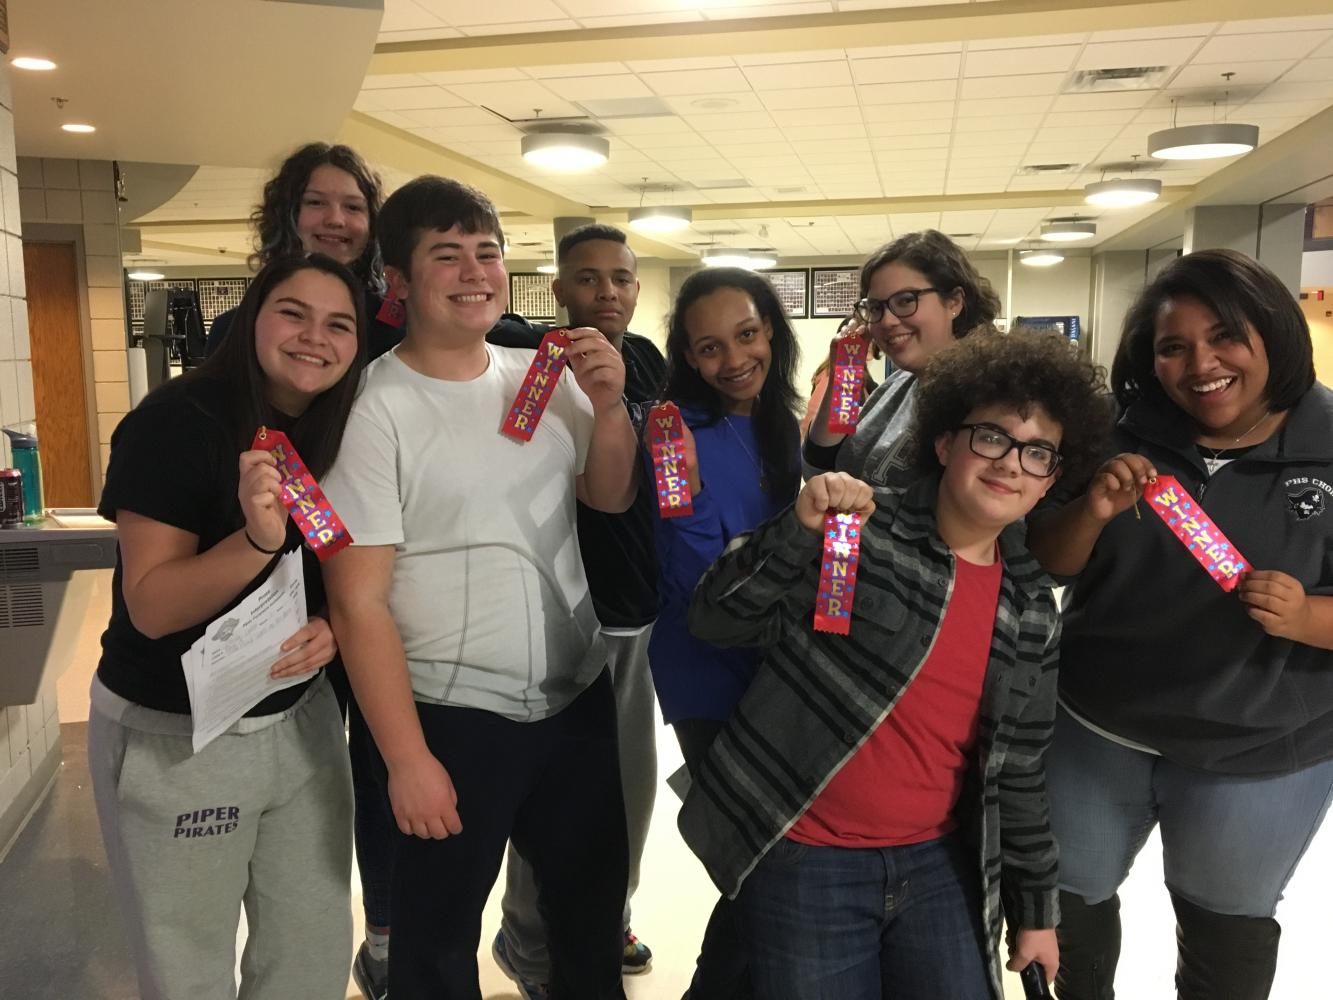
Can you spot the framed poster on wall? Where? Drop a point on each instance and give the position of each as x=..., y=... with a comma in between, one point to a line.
x=834, y=291
x=793, y=287
x=530, y=296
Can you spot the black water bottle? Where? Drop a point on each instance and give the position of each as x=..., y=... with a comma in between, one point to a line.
x=1034, y=982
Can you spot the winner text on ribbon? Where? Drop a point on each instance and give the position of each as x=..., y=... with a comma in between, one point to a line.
x=837, y=572
x=1187, y=521
x=321, y=527
x=666, y=436
x=847, y=376
x=538, y=384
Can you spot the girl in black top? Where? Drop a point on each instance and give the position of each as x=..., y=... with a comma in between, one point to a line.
x=260, y=815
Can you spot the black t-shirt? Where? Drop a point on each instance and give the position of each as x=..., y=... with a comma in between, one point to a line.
x=381, y=338
x=172, y=460
x=619, y=555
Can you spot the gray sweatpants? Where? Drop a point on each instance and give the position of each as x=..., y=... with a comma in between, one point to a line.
x=261, y=817
x=636, y=721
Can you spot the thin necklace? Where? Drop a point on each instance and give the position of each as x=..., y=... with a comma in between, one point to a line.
x=1216, y=452
x=763, y=479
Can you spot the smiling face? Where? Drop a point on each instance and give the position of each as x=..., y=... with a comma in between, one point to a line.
x=1220, y=383
x=598, y=286
x=305, y=338
x=909, y=343
x=992, y=493
x=333, y=219
x=457, y=285
x=730, y=346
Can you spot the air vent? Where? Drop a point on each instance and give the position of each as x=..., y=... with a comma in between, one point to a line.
x=21, y=605
x=15, y=560
x=721, y=184
x=1037, y=169
x=1119, y=78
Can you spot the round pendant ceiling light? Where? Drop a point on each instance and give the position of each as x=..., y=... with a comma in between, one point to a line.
x=1123, y=192
x=751, y=260
x=1203, y=142
x=565, y=150
x=1040, y=258
x=660, y=218
x=1068, y=230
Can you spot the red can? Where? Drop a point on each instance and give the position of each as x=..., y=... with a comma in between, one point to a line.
x=11, y=498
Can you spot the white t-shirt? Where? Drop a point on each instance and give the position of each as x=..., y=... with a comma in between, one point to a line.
x=489, y=592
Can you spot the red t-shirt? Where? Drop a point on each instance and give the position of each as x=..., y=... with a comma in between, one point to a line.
x=902, y=785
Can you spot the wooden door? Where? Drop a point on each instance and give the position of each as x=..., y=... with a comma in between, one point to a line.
x=52, y=275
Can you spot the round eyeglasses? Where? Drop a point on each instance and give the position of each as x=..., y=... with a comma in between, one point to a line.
x=987, y=441
x=901, y=304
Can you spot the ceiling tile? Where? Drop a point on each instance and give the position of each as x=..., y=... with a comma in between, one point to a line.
x=893, y=51
x=581, y=88
x=461, y=13
x=639, y=20
x=1246, y=27
x=724, y=123
x=906, y=69
x=648, y=126
x=1311, y=70
x=1002, y=110
x=386, y=80
x=445, y=117
x=812, y=55
x=1142, y=52
x=817, y=116
x=748, y=136
x=447, y=78
x=740, y=152
x=1102, y=102
x=408, y=98
x=1028, y=85
x=769, y=10
x=577, y=69
x=814, y=97
x=817, y=133
x=1011, y=62
x=516, y=99
x=929, y=111
x=892, y=142
x=1273, y=45
x=711, y=104
x=703, y=81
x=1313, y=91
x=1031, y=42
x=518, y=28
x=682, y=64
x=908, y=93
x=1247, y=75
x=660, y=140
x=1118, y=116
x=791, y=75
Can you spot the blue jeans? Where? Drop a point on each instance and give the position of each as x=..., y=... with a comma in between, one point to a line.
x=839, y=923
x=1230, y=843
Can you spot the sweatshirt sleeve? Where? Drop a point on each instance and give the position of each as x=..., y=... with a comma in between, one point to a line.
x=748, y=592
x=1028, y=851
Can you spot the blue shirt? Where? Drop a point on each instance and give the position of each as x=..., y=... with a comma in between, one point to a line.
x=695, y=679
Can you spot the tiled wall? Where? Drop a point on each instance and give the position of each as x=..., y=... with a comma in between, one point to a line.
x=29, y=734
x=83, y=192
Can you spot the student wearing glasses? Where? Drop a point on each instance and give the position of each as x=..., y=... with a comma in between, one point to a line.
x=919, y=294
x=876, y=805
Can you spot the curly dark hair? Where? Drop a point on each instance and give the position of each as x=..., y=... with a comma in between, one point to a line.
x=274, y=219
x=1240, y=291
x=1018, y=370
x=776, y=429
x=947, y=267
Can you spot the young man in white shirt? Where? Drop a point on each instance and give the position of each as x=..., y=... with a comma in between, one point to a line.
x=463, y=612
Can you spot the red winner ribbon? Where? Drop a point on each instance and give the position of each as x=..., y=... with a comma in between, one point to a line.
x=847, y=375
x=323, y=530
x=666, y=436
x=837, y=575
x=538, y=384
x=1196, y=532
x=392, y=311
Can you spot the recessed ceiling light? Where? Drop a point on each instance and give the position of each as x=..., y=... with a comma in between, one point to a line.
x=751, y=260
x=1203, y=142
x=1123, y=192
x=565, y=150
x=1040, y=258
x=1068, y=230
x=80, y=127
x=145, y=275
x=660, y=218
x=32, y=62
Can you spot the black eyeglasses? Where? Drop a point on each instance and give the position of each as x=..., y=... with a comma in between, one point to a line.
x=901, y=304
x=987, y=441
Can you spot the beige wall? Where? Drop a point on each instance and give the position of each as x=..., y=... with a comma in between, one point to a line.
x=29, y=734
x=1320, y=317
x=81, y=193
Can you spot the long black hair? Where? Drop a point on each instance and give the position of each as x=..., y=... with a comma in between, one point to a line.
x=234, y=370
x=1239, y=290
x=274, y=219
x=775, y=426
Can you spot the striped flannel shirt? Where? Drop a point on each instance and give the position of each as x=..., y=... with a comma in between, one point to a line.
x=818, y=697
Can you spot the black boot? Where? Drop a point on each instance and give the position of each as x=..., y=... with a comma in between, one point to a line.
x=1223, y=957
x=1089, y=935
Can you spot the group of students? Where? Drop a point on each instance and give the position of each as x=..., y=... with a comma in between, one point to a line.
x=874, y=807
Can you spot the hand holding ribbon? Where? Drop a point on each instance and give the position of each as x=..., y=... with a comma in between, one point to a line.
x=323, y=530
x=835, y=506
x=539, y=383
x=1187, y=521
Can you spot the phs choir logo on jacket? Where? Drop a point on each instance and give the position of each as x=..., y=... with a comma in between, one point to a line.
x=1306, y=497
